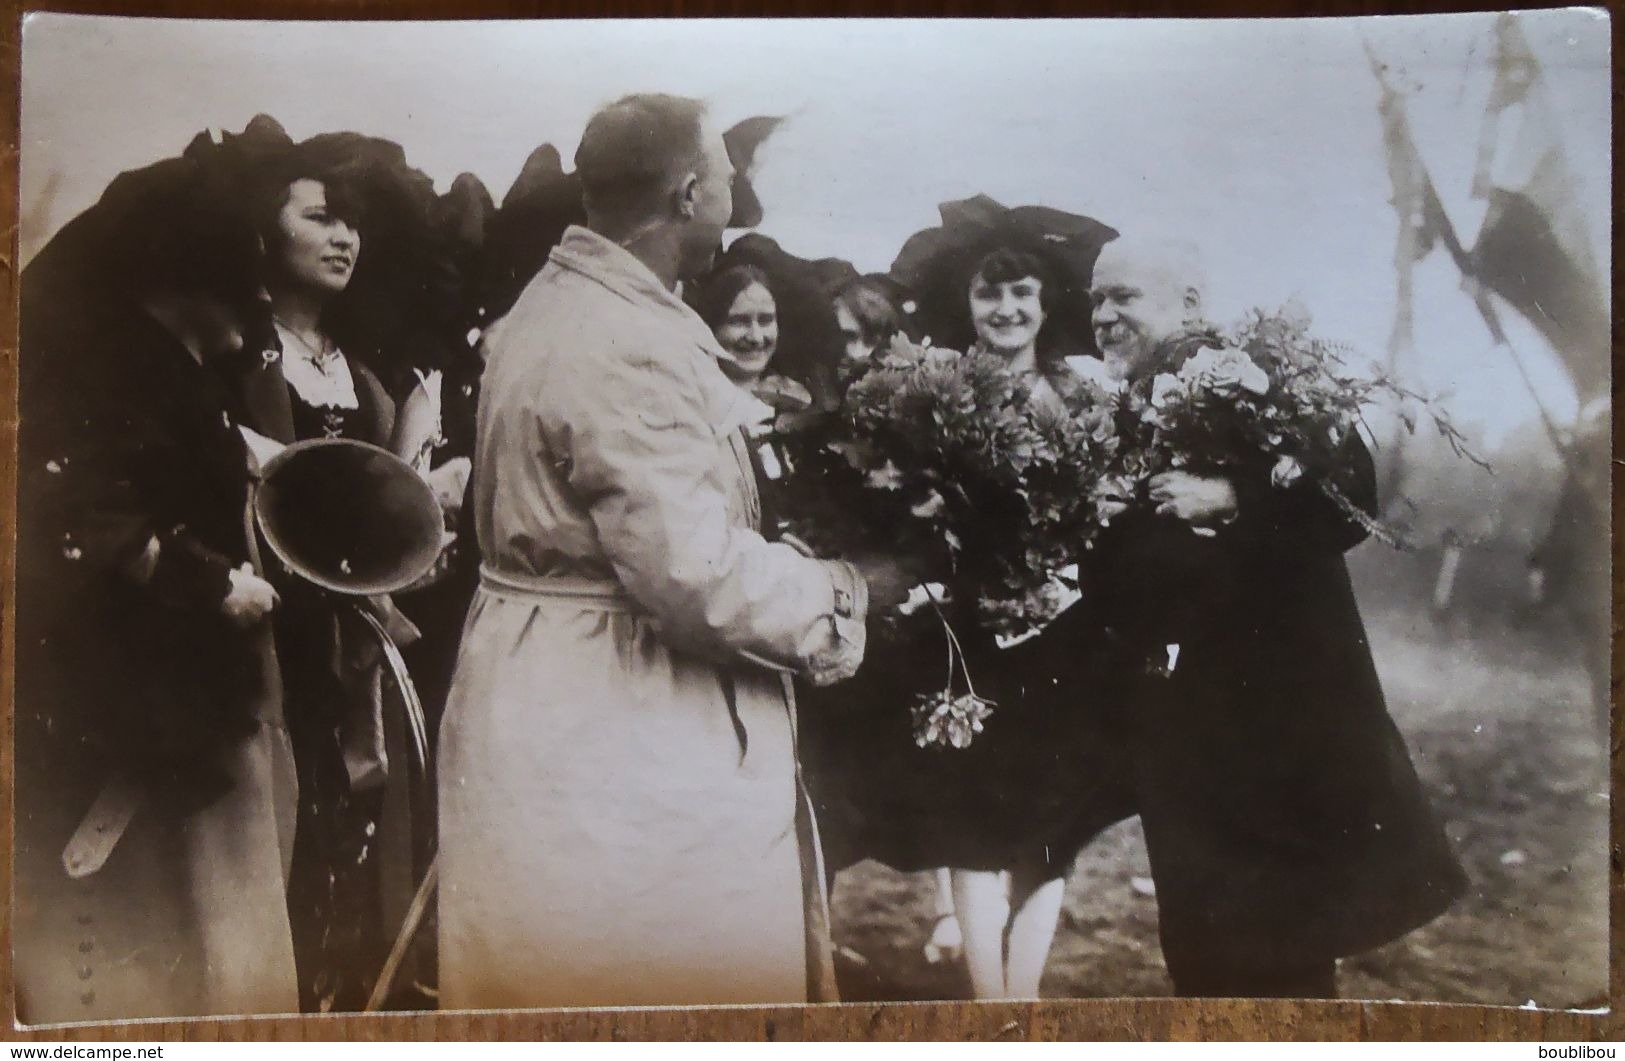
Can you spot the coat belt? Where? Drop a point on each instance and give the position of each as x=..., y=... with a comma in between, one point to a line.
x=595, y=594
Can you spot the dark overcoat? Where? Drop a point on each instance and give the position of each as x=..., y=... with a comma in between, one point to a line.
x=137, y=700
x=126, y=439
x=1284, y=819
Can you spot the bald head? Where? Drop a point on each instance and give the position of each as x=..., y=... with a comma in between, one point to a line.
x=653, y=163
x=636, y=151
x=1144, y=292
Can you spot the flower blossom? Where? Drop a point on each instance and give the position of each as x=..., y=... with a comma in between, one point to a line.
x=1287, y=471
x=1164, y=388
x=1224, y=372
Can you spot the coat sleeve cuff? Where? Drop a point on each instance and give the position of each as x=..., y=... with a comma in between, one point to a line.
x=838, y=651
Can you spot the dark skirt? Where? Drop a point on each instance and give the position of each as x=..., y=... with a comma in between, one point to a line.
x=1039, y=783
x=339, y=936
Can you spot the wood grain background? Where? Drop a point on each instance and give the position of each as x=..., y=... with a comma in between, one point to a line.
x=1153, y=1019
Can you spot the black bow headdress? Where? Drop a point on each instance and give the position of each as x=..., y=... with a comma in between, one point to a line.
x=937, y=264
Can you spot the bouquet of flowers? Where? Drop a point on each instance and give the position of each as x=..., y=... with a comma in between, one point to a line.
x=944, y=456
x=1266, y=395
x=947, y=457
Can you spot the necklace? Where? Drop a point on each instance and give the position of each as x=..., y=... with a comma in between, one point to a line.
x=323, y=359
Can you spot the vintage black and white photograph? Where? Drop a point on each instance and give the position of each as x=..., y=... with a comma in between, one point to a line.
x=652, y=513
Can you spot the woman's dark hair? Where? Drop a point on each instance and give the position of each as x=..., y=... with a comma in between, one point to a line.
x=351, y=319
x=879, y=317
x=1007, y=264
x=998, y=264
x=344, y=201
x=715, y=295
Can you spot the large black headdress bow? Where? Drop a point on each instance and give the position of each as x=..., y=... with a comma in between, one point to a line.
x=937, y=264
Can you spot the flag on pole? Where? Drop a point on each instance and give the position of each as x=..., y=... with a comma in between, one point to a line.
x=1423, y=223
x=1534, y=248
x=1408, y=177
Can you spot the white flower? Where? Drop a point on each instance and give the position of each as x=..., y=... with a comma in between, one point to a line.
x=901, y=353
x=1165, y=387
x=948, y=721
x=1287, y=471
x=1224, y=372
x=1093, y=371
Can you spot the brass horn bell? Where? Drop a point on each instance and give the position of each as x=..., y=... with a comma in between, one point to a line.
x=348, y=516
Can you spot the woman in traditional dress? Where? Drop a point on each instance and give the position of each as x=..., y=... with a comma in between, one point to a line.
x=314, y=391
x=1008, y=814
x=354, y=856
x=1008, y=913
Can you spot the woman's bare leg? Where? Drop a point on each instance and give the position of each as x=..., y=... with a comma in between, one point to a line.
x=1035, y=909
x=982, y=898
x=947, y=942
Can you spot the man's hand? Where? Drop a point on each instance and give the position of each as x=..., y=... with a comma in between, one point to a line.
x=1195, y=499
x=249, y=600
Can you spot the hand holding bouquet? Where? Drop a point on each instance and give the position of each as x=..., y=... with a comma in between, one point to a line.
x=1267, y=398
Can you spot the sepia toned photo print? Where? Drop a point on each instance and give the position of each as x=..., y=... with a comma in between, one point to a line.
x=645, y=513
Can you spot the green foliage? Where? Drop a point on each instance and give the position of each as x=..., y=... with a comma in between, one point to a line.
x=947, y=456
x=997, y=489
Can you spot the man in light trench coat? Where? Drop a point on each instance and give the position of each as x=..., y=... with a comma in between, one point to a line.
x=621, y=818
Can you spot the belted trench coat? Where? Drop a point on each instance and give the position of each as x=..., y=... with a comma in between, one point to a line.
x=621, y=816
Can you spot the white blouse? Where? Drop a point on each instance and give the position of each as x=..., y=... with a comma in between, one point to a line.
x=324, y=384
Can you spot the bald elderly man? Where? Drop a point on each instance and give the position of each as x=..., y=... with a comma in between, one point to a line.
x=1285, y=823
